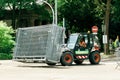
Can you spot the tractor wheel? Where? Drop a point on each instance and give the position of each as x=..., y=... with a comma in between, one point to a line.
x=51, y=64
x=78, y=62
x=94, y=57
x=66, y=59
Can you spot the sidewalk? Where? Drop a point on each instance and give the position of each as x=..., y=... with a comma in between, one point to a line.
x=105, y=57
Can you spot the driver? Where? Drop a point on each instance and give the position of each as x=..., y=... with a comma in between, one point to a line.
x=82, y=43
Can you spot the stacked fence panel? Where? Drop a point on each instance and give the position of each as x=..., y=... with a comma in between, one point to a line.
x=38, y=42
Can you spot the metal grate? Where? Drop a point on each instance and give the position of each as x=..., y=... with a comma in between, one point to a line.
x=36, y=42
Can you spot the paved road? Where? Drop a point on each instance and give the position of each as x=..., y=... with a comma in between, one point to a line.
x=11, y=70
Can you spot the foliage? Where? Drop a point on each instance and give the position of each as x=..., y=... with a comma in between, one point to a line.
x=19, y=4
x=116, y=11
x=44, y=13
x=4, y=56
x=6, y=39
x=17, y=7
x=114, y=19
x=80, y=16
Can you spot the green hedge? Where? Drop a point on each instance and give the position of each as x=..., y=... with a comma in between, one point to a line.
x=4, y=56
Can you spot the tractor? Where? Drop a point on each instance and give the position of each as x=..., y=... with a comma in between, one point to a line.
x=73, y=52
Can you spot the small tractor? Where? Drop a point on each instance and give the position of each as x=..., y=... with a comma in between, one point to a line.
x=46, y=44
x=76, y=53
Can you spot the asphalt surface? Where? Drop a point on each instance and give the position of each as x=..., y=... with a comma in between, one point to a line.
x=12, y=70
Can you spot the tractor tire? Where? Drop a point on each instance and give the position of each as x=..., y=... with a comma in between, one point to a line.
x=66, y=59
x=78, y=62
x=51, y=64
x=94, y=57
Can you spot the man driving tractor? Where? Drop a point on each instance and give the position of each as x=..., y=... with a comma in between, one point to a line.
x=82, y=43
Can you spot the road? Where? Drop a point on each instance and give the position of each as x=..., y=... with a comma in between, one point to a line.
x=12, y=70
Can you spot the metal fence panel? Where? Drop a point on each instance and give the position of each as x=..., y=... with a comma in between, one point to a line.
x=56, y=39
x=41, y=42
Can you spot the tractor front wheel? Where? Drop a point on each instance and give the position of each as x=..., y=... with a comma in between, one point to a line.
x=66, y=59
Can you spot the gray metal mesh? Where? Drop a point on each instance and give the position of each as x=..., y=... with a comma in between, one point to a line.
x=41, y=42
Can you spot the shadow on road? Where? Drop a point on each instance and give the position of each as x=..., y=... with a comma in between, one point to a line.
x=88, y=64
x=58, y=66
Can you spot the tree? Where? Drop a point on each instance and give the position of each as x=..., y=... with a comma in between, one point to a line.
x=17, y=6
x=105, y=6
x=107, y=24
x=79, y=15
x=14, y=5
x=115, y=19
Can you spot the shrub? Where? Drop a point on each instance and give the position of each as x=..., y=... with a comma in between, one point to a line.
x=4, y=56
x=6, y=38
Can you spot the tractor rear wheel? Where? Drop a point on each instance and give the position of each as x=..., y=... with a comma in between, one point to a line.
x=94, y=57
x=66, y=59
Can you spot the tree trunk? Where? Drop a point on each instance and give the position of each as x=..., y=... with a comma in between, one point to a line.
x=107, y=15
